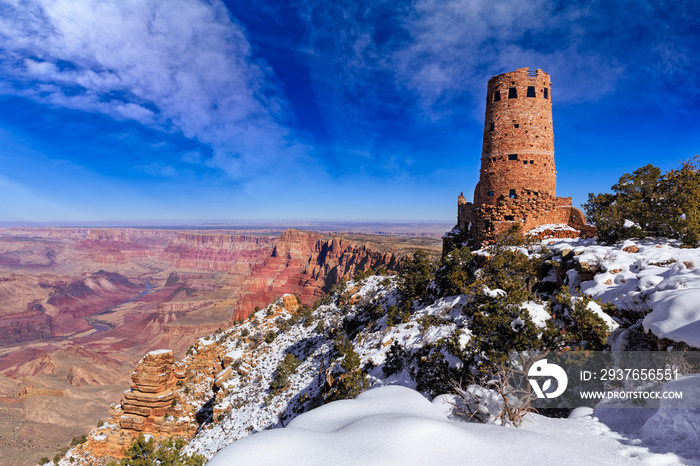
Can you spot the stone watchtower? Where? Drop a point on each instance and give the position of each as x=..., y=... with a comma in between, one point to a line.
x=518, y=179
x=518, y=149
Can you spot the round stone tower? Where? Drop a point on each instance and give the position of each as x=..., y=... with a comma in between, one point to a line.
x=518, y=149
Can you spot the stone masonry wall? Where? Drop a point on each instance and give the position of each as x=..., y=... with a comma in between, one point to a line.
x=528, y=209
x=518, y=144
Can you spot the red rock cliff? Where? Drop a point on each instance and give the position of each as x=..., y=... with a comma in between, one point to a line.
x=308, y=264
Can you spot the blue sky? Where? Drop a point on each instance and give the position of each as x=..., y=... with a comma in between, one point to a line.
x=194, y=110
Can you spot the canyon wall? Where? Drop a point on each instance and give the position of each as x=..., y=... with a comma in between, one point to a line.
x=80, y=307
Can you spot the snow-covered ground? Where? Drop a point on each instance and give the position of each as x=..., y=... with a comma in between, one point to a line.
x=397, y=425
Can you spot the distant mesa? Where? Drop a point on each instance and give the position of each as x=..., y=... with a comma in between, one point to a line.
x=517, y=182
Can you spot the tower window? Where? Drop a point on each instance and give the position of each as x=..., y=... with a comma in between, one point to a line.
x=490, y=193
x=516, y=125
x=512, y=93
x=508, y=218
x=511, y=194
x=524, y=162
x=531, y=91
x=497, y=96
x=532, y=162
x=493, y=126
x=512, y=156
x=546, y=93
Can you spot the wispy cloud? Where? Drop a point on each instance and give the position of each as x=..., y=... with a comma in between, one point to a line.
x=182, y=65
x=442, y=52
x=456, y=45
x=350, y=83
x=385, y=70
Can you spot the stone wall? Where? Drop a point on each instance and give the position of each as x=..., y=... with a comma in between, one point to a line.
x=528, y=208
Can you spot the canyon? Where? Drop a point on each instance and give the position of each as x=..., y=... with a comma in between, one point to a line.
x=79, y=307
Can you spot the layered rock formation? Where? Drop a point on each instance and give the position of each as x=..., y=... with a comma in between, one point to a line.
x=150, y=407
x=218, y=252
x=307, y=264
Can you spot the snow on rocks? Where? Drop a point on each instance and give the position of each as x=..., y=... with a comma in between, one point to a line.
x=653, y=276
x=597, y=310
x=551, y=227
x=373, y=430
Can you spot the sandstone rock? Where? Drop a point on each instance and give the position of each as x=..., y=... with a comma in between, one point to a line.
x=223, y=376
x=586, y=271
x=290, y=303
x=633, y=248
x=151, y=393
x=244, y=368
x=132, y=422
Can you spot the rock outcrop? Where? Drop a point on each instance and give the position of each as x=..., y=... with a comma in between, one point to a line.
x=150, y=407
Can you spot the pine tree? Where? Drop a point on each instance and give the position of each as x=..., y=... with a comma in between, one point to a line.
x=647, y=203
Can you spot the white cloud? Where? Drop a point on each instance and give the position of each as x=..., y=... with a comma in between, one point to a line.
x=428, y=59
x=180, y=65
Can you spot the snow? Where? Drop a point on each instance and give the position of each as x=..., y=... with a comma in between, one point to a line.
x=551, y=227
x=464, y=338
x=493, y=293
x=597, y=310
x=671, y=426
x=391, y=423
x=660, y=280
x=538, y=313
x=485, y=403
x=676, y=316
x=664, y=426
x=235, y=354
x=397, y=425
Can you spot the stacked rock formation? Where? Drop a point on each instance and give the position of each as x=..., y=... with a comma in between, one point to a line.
x=151, y=394
x=150, y=407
